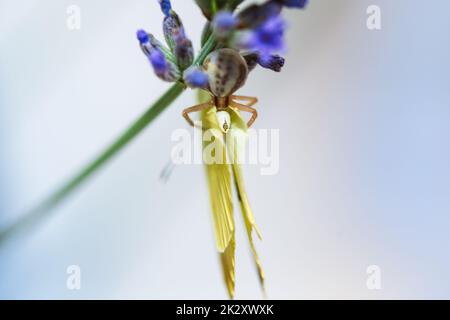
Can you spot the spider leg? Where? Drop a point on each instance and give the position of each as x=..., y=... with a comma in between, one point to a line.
x=246, y=108
x=196, y=108
x=251, y=100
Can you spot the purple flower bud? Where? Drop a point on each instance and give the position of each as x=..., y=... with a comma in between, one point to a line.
x=158, y=61
x=178, y=43
x=171, y=27
x=223, y=23
x=184, y=51
x=294, y=3
x=144, y=41
x=196, y=78
x=273, y=62
x=142, y=36
x=162, y=63
x=165, y=6
x=265, y=39
x=149, y=43
x=163, y=68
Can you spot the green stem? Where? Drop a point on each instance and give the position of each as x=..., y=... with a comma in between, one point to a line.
x=44, y=208
x=213, y=7
x=209, y=46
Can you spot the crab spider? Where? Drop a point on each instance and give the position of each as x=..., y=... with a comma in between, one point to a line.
x=227, y=71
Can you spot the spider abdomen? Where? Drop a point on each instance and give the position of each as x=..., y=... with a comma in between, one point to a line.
x=227, y=71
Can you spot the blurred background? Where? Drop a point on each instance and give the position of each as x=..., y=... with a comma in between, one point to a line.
x=364, y=157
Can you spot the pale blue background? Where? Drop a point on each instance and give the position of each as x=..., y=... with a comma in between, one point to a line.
x=364, y=176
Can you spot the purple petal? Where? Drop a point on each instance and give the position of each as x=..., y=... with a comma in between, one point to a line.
x=142, y=36
x=158, y=61
x=224, y=22
x=166, y=6
x=195, y=78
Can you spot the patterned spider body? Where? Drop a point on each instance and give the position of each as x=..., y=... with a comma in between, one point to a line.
x=227, y=71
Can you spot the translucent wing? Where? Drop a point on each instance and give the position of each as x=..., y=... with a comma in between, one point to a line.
x=236, y=141
x=219, y=182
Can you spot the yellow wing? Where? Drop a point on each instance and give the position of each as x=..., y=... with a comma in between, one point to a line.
x=236, y=141
x=219, y=182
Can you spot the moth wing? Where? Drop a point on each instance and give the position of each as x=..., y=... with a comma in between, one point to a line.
x=219, y=183
x=236, y=142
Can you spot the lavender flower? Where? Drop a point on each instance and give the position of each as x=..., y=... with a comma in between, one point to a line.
x=273, y=62
x=266, y=39
x=224, y=22
x=176, y=38
x=164, y=68
x=166, y=6
x=144, y=42
x=142, y=36
x=184, y=51
x=258, y=30
x=158, y=61
x=172, y=26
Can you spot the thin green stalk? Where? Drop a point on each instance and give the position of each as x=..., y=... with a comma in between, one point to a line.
x=213, y=7
x=209, y=46
x=43, y=210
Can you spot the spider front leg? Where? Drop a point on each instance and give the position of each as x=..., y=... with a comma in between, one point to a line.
x=246, y=108
x=196, y=108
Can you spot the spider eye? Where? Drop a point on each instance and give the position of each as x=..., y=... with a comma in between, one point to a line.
x=227, y=71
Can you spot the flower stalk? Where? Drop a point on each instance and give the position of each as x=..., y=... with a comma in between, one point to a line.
x=43, y=210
